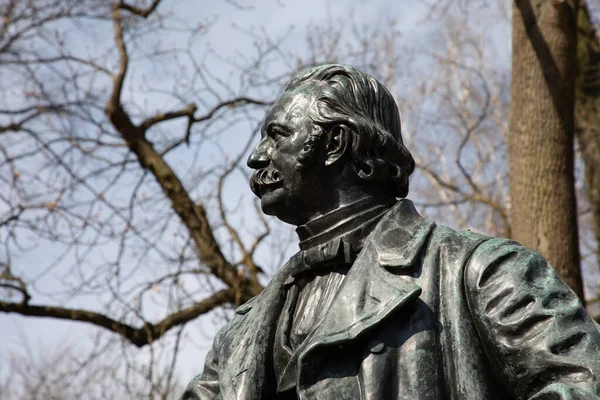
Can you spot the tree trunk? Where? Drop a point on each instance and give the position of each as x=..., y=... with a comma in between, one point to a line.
x=544, y=68
x=587, y=115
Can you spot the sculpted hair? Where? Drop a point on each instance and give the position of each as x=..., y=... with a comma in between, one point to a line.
x=355, y=99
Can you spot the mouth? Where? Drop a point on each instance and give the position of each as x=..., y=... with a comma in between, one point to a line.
x=263, y=181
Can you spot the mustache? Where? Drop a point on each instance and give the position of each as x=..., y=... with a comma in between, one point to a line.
x=264, y=178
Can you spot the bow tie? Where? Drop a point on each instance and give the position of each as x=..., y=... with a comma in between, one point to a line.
x=335, y=252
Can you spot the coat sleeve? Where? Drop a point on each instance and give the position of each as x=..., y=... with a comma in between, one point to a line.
x=536, y=333
x=205, y=386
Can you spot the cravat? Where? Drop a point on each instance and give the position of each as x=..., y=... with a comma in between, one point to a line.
x=333, y=253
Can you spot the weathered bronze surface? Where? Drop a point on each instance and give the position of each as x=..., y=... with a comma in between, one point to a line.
x=380, y=303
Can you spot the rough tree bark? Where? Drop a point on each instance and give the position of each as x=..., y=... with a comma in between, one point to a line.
x=544, y=68
x=587, y=114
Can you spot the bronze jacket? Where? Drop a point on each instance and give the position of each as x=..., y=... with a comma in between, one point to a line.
x=425, y=312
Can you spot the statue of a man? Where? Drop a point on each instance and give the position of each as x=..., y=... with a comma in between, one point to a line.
x=380, y=303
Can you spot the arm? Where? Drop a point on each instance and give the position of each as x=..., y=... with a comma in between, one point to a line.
x=535, y=331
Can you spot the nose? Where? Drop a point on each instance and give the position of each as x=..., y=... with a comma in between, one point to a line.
x=259, y=158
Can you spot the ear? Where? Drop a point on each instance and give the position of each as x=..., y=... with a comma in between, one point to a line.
x=338, y=141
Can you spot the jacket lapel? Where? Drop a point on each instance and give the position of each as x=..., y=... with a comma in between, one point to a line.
x=377, y=284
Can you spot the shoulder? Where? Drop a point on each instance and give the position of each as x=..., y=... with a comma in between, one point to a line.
x=247, y=306
x=455, y=245
x=502, y=261
x=487, y=258
x=260, y=309
x=230, y=329
x=448, y=236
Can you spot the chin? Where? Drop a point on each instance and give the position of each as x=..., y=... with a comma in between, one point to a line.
x=276, y=204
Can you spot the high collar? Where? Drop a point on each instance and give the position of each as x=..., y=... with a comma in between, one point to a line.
x=340, y=222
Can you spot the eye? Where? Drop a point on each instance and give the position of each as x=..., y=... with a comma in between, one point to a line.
x=277, y=132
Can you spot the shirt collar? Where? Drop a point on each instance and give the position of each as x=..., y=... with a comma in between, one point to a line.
x=340, y=221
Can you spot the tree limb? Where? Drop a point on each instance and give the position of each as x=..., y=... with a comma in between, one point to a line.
x=142, y=12
x=115, y=99
x=192, y=215
x=140, y=337
x=188, y=111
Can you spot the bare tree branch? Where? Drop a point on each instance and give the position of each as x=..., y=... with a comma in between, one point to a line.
x=187, y=111
x=192, y=215
x=142, y=12
x=138, y=336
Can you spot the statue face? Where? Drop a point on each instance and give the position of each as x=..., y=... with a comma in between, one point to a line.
x=285, y=192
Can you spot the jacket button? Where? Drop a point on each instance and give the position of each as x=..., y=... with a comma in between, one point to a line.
x=376, y=346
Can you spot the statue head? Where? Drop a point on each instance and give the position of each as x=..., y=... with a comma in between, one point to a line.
x=333, y=126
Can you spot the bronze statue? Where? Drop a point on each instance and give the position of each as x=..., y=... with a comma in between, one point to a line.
x=380, y=303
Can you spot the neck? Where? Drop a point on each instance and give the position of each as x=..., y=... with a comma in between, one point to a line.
x=349, y=216
x=349, y=189
x=343, y=198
